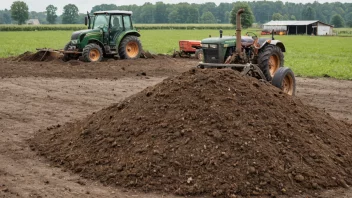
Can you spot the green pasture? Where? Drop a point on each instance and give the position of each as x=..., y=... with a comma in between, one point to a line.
x=312, y=56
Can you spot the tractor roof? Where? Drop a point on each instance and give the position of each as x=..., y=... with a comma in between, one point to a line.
x=114, y=12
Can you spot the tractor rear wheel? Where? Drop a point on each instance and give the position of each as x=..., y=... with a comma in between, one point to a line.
x=284, y=79
x=270, y=59
x=130, y=48
x=92, y=53
x=199, y=54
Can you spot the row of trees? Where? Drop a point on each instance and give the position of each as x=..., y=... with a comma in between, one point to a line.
x=338, y=14
x=19, y=13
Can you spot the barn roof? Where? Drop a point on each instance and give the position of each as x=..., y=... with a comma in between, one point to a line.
x=281, y=23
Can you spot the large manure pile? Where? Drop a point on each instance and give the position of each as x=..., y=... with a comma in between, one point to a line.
x=208, y=132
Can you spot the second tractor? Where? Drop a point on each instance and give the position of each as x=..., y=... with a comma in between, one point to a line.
x=262, y=58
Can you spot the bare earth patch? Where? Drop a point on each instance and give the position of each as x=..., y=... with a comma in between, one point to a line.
x=36, y=95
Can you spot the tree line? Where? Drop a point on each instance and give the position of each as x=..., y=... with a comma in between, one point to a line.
x=338, y=14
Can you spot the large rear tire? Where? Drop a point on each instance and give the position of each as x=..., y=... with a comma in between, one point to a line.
x=284, y=79
x=130, y=48
x=270, y=59
x=92, y=53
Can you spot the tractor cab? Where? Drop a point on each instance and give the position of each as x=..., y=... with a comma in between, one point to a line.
x=111, y=23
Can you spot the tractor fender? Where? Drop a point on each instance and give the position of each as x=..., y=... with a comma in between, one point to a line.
x=122, y=36
x=279, y=44
x=264, y=41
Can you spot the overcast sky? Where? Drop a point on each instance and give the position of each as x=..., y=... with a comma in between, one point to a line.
x=86, y=5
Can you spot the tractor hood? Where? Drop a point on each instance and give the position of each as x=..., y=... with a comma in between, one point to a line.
x=75, y=35
x=218, y=40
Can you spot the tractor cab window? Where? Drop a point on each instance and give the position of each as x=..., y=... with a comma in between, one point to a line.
x=127, y=22
x=116, y=22
x=101, y=21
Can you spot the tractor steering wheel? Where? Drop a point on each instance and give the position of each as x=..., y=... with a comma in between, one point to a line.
x=254, y=36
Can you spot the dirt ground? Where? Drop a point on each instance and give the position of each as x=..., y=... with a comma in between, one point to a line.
x=36, y=95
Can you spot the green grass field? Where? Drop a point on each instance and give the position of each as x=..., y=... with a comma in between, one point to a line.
x=311, y=56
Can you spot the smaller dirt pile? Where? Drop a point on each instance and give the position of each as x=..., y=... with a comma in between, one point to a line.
x=211, y=132
x=38, y=56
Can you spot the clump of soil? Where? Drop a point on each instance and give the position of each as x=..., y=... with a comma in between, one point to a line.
x=207, y=132
x=38, y=56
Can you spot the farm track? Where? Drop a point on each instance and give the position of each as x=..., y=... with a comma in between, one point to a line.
x=36, y=95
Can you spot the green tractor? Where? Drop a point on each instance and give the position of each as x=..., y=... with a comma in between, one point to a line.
x=109, y=33
x=258, y=57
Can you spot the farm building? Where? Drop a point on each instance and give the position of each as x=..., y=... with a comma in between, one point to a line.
x=32, y=22
x=299, y=27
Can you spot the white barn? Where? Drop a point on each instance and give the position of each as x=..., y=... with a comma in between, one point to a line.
x=32, y=22
x=299, y=27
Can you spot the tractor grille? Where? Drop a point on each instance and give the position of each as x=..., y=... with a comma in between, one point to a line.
x=211, y=55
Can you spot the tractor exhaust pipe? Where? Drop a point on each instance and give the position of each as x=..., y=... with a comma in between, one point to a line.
x=238, y=31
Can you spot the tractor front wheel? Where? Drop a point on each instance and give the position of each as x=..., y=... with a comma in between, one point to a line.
x=130, y=48
x=68, y=56
x=92, y=53
x=270, y=59
x=284, y=79
x=199, y=54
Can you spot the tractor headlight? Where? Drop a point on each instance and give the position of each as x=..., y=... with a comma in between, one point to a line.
x=205, y=45
x=74, y=42
x=214, y=46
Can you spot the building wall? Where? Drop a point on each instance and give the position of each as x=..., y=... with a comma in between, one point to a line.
x=324, y=29
x=33, y=22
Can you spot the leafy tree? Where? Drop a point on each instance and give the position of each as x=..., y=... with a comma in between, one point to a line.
x=207, y=7
x=147, y=13
x=193, y=15
x=6, y=16
x=70, y=14
x=19, y=12
x=223, y=11
x=207, y=18
x=247, y=17
x=160, y=12
x=183, y=12
x=309, y=14
x=173, y=17
x=349, y=19
x=51, y=14
x=277, y=17
x=293, y=17
x=81, y=17
x=227, y=17
x=337, y=21
x=103, y=7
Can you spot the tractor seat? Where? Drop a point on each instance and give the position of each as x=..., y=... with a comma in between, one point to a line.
x=246, y=41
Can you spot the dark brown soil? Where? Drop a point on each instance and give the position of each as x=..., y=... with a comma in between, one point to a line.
x=26, y=65
x=38, y=56
x=211, y=132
